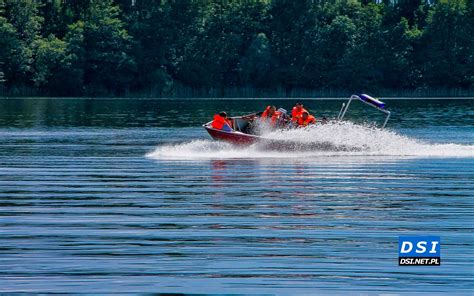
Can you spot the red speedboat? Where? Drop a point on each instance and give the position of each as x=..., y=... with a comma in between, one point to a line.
x=244, y=133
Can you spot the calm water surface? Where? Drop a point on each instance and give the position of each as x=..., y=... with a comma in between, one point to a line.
x=133, y=196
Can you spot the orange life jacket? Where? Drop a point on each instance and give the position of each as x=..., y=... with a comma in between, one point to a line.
x=274, y=117
x=309, y=120
x=265, y=113
x=295, y=113
x=218, y=122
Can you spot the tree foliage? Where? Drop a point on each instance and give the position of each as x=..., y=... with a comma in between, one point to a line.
x=147, y=47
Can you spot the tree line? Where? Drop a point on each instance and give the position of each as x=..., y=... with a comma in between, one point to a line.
x=235, y=48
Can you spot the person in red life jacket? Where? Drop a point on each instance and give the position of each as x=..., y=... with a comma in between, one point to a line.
x=221, y=122
x=271, y=113
x=305, y=119
x=297, y=112
x=268, y=113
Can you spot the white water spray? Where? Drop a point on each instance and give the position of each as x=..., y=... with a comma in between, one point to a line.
x=357, y=140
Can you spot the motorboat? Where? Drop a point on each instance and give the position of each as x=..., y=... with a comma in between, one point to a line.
x=245, y=133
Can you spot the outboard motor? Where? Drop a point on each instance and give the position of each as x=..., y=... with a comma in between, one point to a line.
x=283, y=111
x=284, y=116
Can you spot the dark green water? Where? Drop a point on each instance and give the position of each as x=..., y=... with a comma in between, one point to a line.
x=134, y=196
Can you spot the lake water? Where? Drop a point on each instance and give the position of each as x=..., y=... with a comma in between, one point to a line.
x=134, y=196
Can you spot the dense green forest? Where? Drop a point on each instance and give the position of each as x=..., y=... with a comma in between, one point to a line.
x=236, y=48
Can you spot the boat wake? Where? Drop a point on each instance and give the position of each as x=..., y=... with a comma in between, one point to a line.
x=334, y=139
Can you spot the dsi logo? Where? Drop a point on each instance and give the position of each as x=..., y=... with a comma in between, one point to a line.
x=419, y=250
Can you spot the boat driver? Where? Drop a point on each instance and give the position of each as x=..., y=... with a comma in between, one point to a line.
x=221, y=122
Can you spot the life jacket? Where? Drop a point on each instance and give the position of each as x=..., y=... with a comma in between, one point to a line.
x=218, y=122
x=295, y=113
x=274, y=118
x=265, y=113
x=309, y=120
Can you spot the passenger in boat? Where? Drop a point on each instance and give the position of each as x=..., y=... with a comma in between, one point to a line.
x=271, y=114
x=221, y=122
x=305, y=119
x=297, y=112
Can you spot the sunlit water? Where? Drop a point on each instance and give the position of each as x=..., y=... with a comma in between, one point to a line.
x=134, y=196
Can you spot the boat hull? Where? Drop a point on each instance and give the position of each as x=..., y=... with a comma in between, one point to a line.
x=237, y=138
x=242, y=139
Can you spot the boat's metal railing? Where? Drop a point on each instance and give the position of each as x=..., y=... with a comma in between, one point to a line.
x=372, y=102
